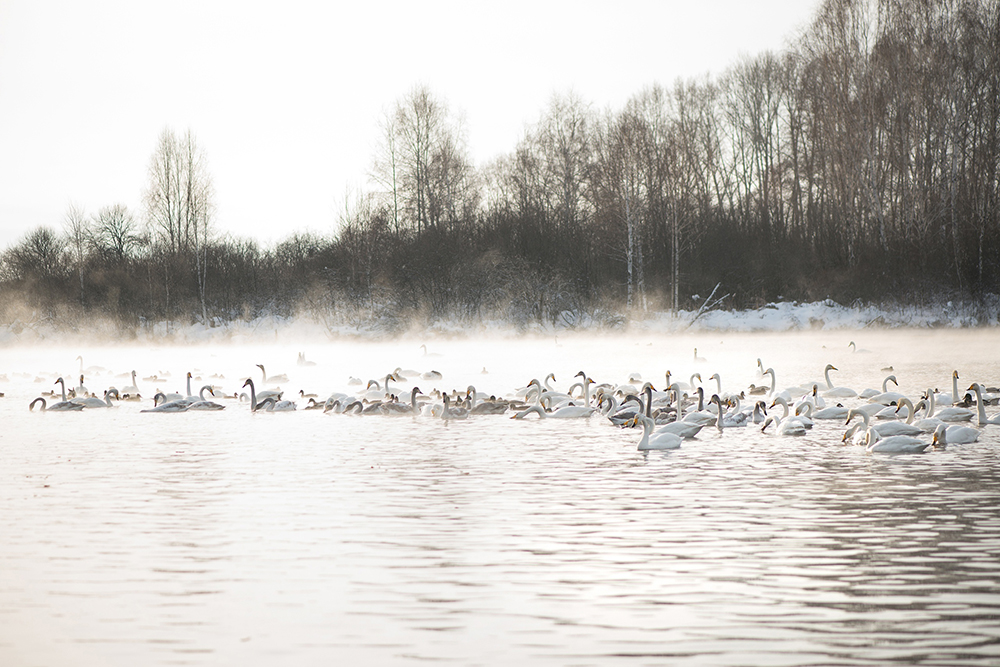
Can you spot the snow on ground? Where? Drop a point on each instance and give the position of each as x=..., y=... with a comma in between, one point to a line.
x=775, y=317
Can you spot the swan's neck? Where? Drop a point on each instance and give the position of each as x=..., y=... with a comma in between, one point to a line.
x=647, y=428
x=980, y=408
x=189, y=387
x=954, y=387
x=930, y=402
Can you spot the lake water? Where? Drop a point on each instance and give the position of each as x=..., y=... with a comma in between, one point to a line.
x=233, y=538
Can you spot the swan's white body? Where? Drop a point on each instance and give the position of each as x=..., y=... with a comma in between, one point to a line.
x=61, y=406
x=948, y=414
x=836, y=392
x=203, y=404
x=945, y=435
x=784, y=426
x=651, y=441
x=885, y=429
x=894, y=444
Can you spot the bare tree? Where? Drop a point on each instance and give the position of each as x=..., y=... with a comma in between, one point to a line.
x=77, y=230
x=115, y=232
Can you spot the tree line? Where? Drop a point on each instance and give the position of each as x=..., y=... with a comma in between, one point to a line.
x=860, y=163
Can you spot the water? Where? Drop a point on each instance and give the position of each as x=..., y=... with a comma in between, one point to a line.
x=236, y=539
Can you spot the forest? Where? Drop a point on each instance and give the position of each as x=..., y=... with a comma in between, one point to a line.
x=860, y=164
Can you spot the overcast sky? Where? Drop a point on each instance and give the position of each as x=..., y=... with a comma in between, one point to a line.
x=284, y=97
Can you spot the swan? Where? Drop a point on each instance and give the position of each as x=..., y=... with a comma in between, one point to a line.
x=204, y=404
x=697, y=359
x=274, y=379
x=894, y=444
x=948, y=414
x=700, y=416
x=927, y=424
x=269, y=404
x=952, y=398
x=854, y=348
x=784, y=416
x=872, y=393
x=61, y=406
x=679, y=427
x=887, y=397
x=726, y=419
x=274, y=405
x=82, y=390
x=651, y=441
x=884, y=429
x=856, y=434
x=980, y=406
x=567, y=412
x=945, y=435
x=784, y=426
x=836, y=392
x=806, y=418
x=453, y=413
x=177, y=405
x=431, y=375
x=132, y=388
x=486, y=407
x=93, y=402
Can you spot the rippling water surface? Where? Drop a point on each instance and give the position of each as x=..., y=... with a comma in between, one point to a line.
x=241, y=539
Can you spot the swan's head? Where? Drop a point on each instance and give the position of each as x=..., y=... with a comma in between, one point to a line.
x=892, y=378
x=954, y=374
x=248, y=383
x=830, y=367
x=940, y=435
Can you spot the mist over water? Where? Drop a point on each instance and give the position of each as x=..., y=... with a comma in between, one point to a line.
x=309, y=538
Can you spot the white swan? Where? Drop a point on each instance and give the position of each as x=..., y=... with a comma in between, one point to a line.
x=566, y=412
x=836, y=392
x=61, y=406
x=784, y=426
x=871, y=393
x=177, y=405
x=453, y=413
x=273, y=404
x=884, y=429
x=952, y=398
x=93, y=402
x=650, y=441
x=926, y=424
x=274, y=379
x=680, y=427
x=945, y=435
x=132, y=388
x=204, y=404
x=894, y=444
x=981, y=409
x=948, y=414
x=784, y=417
x=887, y=397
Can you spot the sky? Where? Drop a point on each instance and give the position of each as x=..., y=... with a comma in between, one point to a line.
x=284, y=98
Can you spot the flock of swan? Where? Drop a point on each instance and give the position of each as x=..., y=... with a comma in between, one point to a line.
x=878, y=419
